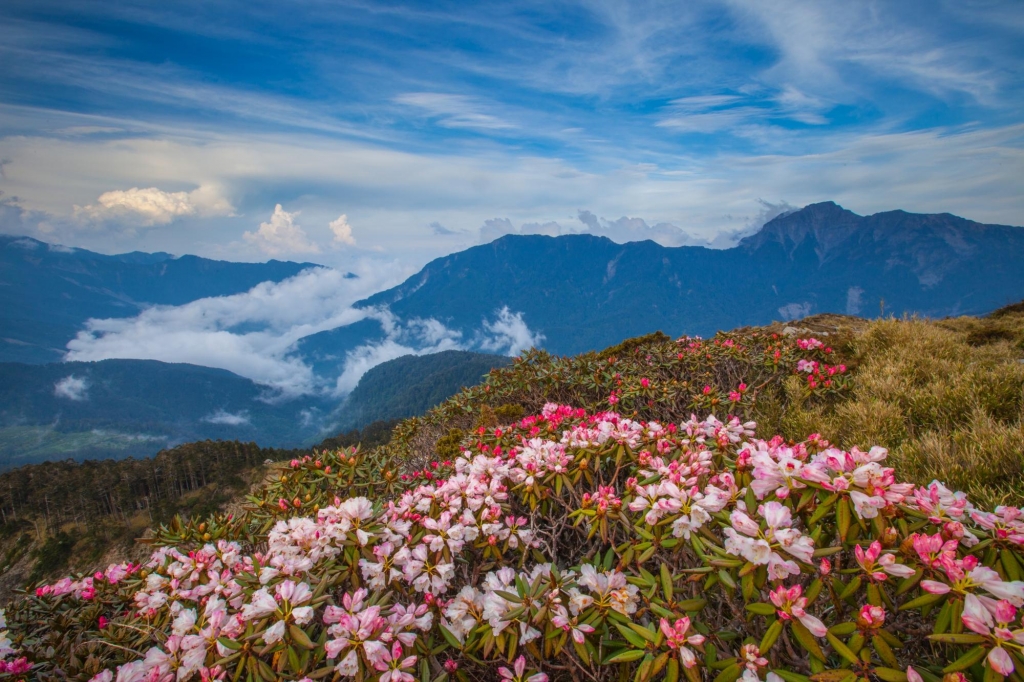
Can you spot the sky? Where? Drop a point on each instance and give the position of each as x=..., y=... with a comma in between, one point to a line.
x=354, y=132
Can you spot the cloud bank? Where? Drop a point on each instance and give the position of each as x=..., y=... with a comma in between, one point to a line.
x=255, y=334
x=251, y=334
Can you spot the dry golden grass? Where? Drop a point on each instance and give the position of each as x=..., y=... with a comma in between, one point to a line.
x=946, y=397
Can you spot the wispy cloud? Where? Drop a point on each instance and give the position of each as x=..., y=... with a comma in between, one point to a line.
x=453, y=111
x=227, y=418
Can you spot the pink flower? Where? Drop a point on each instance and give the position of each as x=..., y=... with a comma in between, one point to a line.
x=678, y=639
x=876, y=565
x=790, y=603
x=394, y=666
x=871, y=617
x=519, y=675
x=978, y=618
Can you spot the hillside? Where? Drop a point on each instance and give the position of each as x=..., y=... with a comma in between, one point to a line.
x=123, y=408
x=412, y=384
x=48, y=291
x=945, y=397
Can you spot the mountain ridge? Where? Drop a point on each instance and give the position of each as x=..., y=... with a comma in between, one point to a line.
x=822, y=258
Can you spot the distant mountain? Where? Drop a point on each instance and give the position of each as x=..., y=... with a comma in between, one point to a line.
x=135, y=408
x=121, y=408
x=412, y=384
x=584, y=292
x=47, y=292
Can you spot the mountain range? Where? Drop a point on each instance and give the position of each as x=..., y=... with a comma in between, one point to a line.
x=567, y=294
x=584, y=292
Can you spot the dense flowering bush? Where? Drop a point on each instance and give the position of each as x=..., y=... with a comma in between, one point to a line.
x=586, y=546
x=570, y=545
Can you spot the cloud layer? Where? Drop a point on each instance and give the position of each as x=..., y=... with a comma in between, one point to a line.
x=251, y=334
x=255, y=334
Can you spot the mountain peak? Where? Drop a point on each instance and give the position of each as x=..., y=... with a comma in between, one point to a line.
x=828, y=223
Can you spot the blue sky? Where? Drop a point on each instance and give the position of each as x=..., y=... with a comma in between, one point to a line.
x=247, y=130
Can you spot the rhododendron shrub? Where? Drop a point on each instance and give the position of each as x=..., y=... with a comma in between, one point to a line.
x=567, y=546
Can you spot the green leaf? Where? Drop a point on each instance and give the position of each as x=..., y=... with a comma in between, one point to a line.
x=1011, y=565
x=452, y=640
x=627, y=656
x=833, y=676
x=883, y=650
x=632, y=637
x=923, y=600
x=770, y=635
x=692, y=604
x=300, y=637
x=806, y=639
x=667, y=587
x=852, y=588
x=822, y=509
x=229, y=643
x=672, y=670
x=761, y=609
x=791, y=676
x=730, y=674
x=843, y=629
x=644, y=632
x=967, y=660
x=843, y=518
x=890, y=675
x=841, y=648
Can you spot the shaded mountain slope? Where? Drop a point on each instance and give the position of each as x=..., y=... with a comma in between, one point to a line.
x=47, y=292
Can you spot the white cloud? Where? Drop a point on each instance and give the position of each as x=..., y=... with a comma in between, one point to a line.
x=342, y=230
x=440, y=230
x=227, y=418
x=636, y=229
x=508, y=334
x=416, y=337
x=621, y=230
x=153, y=206
x=251, y=334
x=793, y=311
x=282, y=235
x=967, y=170
x=854, y=300
x=72, y=388
x=454, y=111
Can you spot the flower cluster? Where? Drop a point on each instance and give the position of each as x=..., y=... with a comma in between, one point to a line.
x=570, y=541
